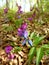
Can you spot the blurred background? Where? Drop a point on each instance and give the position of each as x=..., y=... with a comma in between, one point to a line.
x=25, y=4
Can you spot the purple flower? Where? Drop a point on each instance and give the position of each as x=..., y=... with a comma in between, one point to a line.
x=19, y=7
x=6, y=10
x=11, y=56
x=26, y=34
x=20, y=12
x=30, y=19
x=29, y=42
x=20, y=32
x=24, y=42
x=22, y=29
x=19, y=17
x=8, y=49
x=24, y=26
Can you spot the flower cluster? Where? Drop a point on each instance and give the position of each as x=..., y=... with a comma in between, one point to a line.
x=19, y=10
x=11, y=56
x=22, y=29
x=19, y=17
x=8, y=50
x=30, y=19
x=6, y=10
x=24, y=33
x=27, y=40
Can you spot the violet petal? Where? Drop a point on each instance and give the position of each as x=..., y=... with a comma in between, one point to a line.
x=24, y=42
x=5, y=10
x=29, y=19
x=25, y=34
x=24, y=26
x=8, y=49
x=11, y=56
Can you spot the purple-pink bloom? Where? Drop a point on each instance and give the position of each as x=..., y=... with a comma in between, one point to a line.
x=19, y=17
x=11, y=56
x=22, y=29
x=6, y=10
x=19, y=10
x=19, y=30
x=20, y=33
x=19, y=7
x=30, y=19
x=24, y=26
x=8, y=49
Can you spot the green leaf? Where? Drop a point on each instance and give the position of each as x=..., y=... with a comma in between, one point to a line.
x=37, y=40
x=33, y=35
x=13, y=44
x=16, y=49
x=28, y=33
x=8, y=28
x=47, y=52
x=31, y=55
x=40, y=54
x=46, y=46
x=18, y=22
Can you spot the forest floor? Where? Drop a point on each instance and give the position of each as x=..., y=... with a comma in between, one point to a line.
x=21, y=57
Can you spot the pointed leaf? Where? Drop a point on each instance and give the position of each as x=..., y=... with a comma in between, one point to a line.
x=38, y=40
x=31, y=55
x=18, y=22
x=46, y=46
x=47, y=52
x=33, y=35
x=40, y=54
